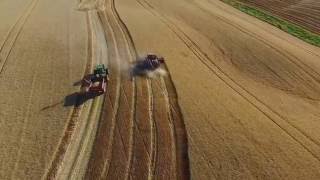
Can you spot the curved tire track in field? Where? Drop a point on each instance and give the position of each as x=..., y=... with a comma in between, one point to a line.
x=121, y=154
x=73, y=117
x=141, y=140
x=307, y=142
x=103, y=143
x=19, y=21
x=71, y=158
x=25, y=122
x=11, y=37
x=116, y=146
x=293, y=59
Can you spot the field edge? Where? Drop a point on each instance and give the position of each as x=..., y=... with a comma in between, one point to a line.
x=285, y=25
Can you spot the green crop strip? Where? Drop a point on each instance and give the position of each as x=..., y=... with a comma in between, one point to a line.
x=284, y=25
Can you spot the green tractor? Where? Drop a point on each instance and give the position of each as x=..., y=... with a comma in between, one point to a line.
x=101, y=70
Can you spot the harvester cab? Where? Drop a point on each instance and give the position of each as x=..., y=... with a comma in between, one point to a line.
x=152, y=62
x=101, y=71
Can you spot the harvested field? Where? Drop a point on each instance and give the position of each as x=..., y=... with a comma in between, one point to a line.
x=240, y=99
x=241, y=85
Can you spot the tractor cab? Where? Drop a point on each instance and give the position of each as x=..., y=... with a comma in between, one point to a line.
x=100, y=70
x=151, y=56
x=151, y=62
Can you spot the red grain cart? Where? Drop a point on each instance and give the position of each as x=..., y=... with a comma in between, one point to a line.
x=97, y=85
x=97, y=82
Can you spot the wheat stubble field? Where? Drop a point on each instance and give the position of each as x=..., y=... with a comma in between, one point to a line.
x=240, y=101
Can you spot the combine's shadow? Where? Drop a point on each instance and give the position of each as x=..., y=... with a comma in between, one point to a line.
x=76, y=99
x=138, y=68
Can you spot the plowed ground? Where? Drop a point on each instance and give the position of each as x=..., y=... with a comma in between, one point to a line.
x=301, y=12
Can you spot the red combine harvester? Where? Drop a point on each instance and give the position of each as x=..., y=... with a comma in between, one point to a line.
x=149, y=65
x=97, y=83
x=151, y=62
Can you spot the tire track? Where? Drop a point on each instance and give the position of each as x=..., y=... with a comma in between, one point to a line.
x=156, y=149
x=154, y=134
x=179, y=151
x=13, y=34
x=126, y=109
x=30, y=6
x=15, y=24
x=130, y=57
x=307, y=142
x=165, y=158
x=171, y=129
x=99, y=156
x=136, y=154
x=171, y=126
x=77, y=163
x=102, y=148
x=113, y=134
x=129, y=47
x=73, y=117
x=25, y=122
x=118, y=154
x=177, y=128
x=180, y=133
x=180, y=160
x=88, y=129
x=293, y=59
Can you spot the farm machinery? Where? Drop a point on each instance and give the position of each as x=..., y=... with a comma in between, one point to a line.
x=151, y=62
x=96, y=83
x=150, y=66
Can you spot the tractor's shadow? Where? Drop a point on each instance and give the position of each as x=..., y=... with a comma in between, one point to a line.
x=138, y=69
x=77, y=99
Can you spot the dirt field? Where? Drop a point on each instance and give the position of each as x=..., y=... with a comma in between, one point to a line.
x=301, y=12
x=240, y=100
